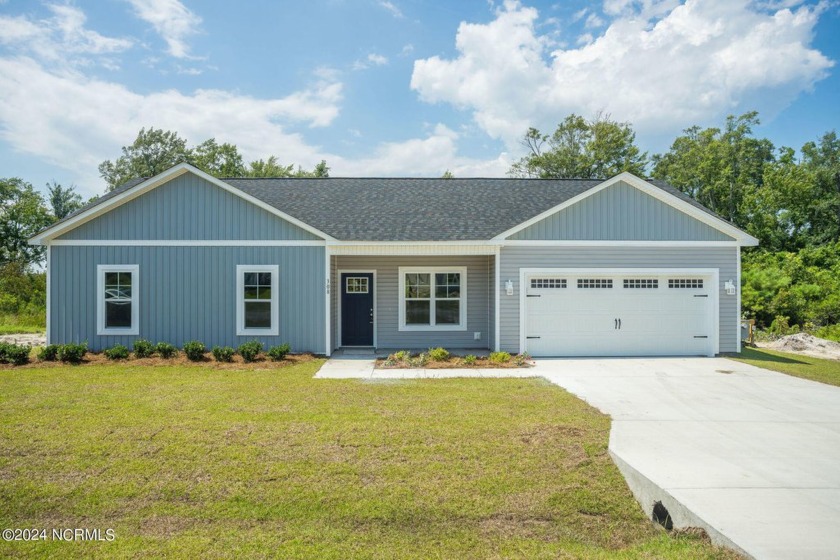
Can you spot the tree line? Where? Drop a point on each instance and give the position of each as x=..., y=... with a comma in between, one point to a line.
x=789, y=199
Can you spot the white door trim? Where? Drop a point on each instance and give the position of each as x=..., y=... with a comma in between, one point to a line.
x=338, y=273
x=714, y=273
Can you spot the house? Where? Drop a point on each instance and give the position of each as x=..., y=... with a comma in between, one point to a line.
x=619, y=267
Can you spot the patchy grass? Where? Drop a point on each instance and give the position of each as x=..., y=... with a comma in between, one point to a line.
x=20, y=329
x=815, y=369
x=198, y=462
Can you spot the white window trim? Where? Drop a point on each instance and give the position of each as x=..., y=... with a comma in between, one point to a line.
x=462, y=270
x=134, y=269
x=241, y=269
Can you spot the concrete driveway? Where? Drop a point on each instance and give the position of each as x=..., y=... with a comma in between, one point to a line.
x=751, y=455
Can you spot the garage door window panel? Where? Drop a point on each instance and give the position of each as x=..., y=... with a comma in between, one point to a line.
x=595, y=283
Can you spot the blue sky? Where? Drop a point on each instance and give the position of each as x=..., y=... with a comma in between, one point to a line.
x=398, y=87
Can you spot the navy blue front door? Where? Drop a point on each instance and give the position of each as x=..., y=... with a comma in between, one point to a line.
x=356, y=309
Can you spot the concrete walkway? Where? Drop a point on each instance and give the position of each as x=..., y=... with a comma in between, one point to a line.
x=751, y=455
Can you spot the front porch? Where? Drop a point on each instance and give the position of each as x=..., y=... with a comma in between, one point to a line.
x=381, y=303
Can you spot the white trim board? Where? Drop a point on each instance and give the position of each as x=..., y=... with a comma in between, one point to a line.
x=151, y=184
x=740, y=236
x=713, y=273
x=338, y=300
x=187, y=243
x=49, y=289
x=328, y=302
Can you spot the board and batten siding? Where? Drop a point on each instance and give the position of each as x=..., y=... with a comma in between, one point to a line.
x=620, y=212
x=386, y=291
x=188, y=207
x=188, y=293
x=515, y=258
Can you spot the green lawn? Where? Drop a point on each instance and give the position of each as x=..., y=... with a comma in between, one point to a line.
x=194, y=462
x=815, y=369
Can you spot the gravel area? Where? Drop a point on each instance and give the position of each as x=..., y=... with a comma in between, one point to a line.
x=30, y=339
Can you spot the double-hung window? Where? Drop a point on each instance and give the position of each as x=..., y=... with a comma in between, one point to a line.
x=257, y=300
x=117, y=299
x=433, y=298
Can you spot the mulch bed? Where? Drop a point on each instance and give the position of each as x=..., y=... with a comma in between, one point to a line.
x=455, y=362
x=92, y=359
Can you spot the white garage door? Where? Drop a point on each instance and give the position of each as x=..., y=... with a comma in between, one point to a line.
x=626, y=314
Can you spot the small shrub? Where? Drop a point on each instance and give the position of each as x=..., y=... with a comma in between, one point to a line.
x=194, y=350
x=48, y=353
x=223, y=353
x=521, y=359
x=438, y=354
x=16, y=354
x=277, y=353
x=419, y=361
x=72, y=353
x=470, y=359
x=499, y=357
x=116, y=352
x=830, y=332
x=165, y=350
x=250, y=350
x=401, y=356
x=143, y=348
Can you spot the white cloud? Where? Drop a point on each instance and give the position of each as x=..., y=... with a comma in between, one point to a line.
x=61, y=38
x=419, y=157
x=658, y=66
x=75, y=122
x=372, y=59
x=173, y=21
x=392, y=8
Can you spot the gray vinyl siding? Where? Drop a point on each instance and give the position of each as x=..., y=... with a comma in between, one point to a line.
x=515, y=258
x=188, y=293
x=388, y=335
x=621, y=212
x=188, y=207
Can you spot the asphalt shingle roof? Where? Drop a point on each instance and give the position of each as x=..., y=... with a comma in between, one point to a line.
x=382, y=209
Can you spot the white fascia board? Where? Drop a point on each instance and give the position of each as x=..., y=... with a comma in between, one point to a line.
x=740, y=236
x=613, y=243
x=187, y=243
x=154, y=182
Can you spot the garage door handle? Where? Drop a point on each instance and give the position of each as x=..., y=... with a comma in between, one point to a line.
x=532, y=295
x=619, y=324
x=616, y=324
x=529, y=337
x=704, y=295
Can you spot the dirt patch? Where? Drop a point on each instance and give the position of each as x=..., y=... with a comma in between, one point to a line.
x=181, y=360
x=803, y=343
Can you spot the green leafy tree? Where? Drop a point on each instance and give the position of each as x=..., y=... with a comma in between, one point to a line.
x=718, y=167
x=219, y=160
x=581, y=148
x=271, y=168
x=153, y=151
x=63, y=200
x=822, y=159
x=447, y=175
x=22, y=214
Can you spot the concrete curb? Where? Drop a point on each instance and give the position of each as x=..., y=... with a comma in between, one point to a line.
x=647, y=493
